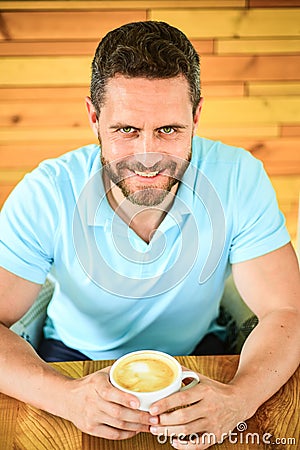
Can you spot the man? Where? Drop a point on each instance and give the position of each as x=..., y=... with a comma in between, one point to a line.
x=140, y=237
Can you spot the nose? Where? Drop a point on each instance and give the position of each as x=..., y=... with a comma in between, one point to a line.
x=148, y=159
x=146, y=152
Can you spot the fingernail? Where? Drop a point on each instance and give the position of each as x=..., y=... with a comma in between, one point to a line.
x=153, y=430
x=154, y=410
x=154, y=420
x=134, y=404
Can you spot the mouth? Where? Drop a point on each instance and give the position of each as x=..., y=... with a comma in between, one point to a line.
x=146, y=174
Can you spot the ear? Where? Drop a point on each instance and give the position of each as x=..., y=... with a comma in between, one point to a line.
x=93, y=119
x=197, y=115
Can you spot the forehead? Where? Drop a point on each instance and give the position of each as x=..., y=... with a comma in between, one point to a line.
x=143, y=95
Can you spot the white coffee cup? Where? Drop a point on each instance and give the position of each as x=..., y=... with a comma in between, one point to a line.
x=150, y=375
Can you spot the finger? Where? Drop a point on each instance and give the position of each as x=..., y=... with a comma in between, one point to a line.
x=111, y=394
x=121, y=405
x=198, y=426
x=124, y=414
x=123, y=424
x=181, y=416
x=107, y=432
x=179, y=399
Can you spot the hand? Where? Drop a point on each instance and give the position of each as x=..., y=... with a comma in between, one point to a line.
x=98, y=408
x=213, y=409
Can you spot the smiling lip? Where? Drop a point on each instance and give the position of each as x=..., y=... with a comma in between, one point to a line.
x=146, y=174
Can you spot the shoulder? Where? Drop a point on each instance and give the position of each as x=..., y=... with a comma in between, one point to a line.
x=207, y=151
x=80, y=162
x=224, y=163
x=54, y=179
x=66, y=175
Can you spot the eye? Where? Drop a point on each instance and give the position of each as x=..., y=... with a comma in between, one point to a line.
x=167, y=130
x=127, y=130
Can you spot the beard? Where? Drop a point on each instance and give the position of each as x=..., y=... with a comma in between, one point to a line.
x=123, y=173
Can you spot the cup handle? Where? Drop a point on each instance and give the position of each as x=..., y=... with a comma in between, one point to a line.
x=189, y=374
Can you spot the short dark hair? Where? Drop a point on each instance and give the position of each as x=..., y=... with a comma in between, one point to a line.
x=150, y=49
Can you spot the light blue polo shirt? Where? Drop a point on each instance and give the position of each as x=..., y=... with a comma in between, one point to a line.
x=115, y=293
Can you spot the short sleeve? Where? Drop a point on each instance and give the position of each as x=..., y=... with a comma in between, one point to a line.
x=29, y=221
x=259, y=225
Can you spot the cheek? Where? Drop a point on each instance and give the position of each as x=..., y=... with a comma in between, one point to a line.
x=113, y=147
x=120, y=148
x=180, y=148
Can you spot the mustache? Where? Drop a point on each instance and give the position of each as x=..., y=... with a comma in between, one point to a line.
x=139, y=167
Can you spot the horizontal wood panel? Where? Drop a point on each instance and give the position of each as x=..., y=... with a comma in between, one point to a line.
x=257, y=46
x=273, y=3
x=227, y=111
x=61, y=25
x=119, y=4
x=46, y=48
x=223, y=90
x=45, y=71
x=43, y=135
x=74, y=47
x=46, y=93
x=290, y=130
x=241, y=131
x=238, y=111
x=280, y=156
x=251, y=68
x=28, y=155
x=203, y=46
x=75, y=70
x=274, y=88
x=232, y=23
x=8, y=177
x=44, y=113
x=287, y=188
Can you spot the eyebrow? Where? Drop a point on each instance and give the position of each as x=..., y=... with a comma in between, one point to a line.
x=120, y=125
x=124, y=124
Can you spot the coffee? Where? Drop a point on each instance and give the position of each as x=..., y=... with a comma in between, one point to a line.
x=145, y=373
x=150, y=375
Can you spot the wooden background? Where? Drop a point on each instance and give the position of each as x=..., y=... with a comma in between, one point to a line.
x=250, y=72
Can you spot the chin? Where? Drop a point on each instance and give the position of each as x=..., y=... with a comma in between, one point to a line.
x=147, y=197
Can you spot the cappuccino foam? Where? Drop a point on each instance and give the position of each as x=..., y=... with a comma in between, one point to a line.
x=144, y=374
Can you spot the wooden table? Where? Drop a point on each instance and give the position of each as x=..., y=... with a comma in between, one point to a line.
x=23, y=427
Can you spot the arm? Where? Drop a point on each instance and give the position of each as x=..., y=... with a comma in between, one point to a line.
x=270, y=285
x=91, y=403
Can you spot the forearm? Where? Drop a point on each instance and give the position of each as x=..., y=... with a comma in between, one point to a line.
x=269, y=357
x=27, y=377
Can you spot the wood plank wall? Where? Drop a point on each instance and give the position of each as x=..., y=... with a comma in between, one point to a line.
x=250, y=78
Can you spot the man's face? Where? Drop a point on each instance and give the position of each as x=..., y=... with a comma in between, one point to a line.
x=145, y=130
